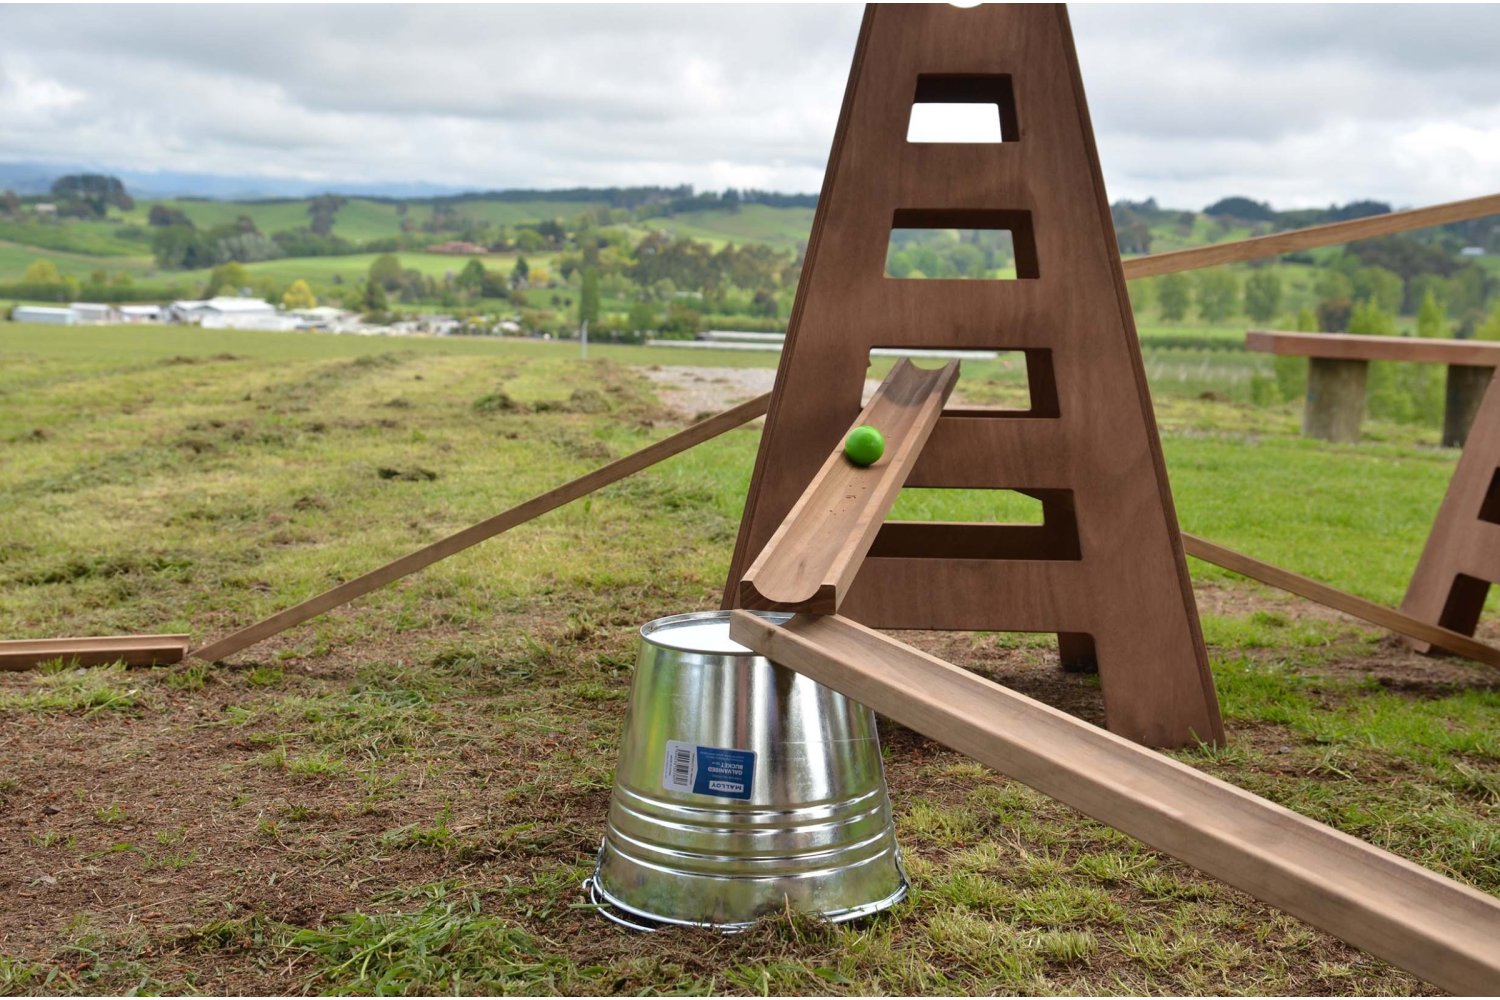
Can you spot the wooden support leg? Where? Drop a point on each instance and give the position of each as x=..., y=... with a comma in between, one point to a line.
x=1466, y=386
x=1335, y=399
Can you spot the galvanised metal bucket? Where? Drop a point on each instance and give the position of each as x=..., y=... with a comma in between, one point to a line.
x=743, y=788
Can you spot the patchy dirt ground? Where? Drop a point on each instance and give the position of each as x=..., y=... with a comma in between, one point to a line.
x=404, y=796
x=155, y=843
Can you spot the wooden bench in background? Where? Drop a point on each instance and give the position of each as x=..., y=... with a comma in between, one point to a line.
x=1338, y=363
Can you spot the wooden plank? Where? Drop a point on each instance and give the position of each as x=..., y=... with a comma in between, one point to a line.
x=1321, y=593
x=811, y=559
x=91, y=651
x=1362, y=347
x=1446, y=933
x=1090, y=432
x=490, y=527
x=1313, y=236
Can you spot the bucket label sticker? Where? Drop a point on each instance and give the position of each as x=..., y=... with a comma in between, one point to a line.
x=708, y=770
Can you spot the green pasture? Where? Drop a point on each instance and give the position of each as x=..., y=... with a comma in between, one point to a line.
x=15, y=258
x=320, y=272
x=783, y=228
x=404, y=796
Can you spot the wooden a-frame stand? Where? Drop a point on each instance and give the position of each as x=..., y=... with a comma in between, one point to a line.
x=1105, y=571
x=1462, y=555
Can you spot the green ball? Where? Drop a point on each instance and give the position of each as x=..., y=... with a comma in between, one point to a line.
x=864, y=445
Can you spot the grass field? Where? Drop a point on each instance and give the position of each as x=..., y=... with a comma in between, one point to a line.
x=405, y=795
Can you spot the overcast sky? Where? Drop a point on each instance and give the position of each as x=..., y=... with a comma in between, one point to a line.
x=1300, y=105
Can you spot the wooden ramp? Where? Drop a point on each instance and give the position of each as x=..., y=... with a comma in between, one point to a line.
x=1416, y=632
x=813, y=557
x=91, y=651
x=1433, y=927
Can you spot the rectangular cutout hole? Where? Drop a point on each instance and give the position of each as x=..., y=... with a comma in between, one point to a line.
x=991, y=382
x=1489, y=509
x=980, y=524
x=984, y=506
x=959, y=245
x=951, y=108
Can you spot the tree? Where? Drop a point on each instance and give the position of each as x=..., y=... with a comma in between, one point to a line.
x=228, y=277
x=1490, y=328
x=298, y=296
x=41, y=272
x=1380, y=286
x=1173, y=293
x=1263, y=295
x=322, y=210
x=1368, y=318
x=374, y=297
x=472, y=279
x=1241, y=208
x=246, y=247
x=520, y=275
x=385, y=271
x=1431, y=317
x=97, y=191
x=1218, y=295
x=642, y=317
x=183, y=248
x=588, y=297
x=166, y=215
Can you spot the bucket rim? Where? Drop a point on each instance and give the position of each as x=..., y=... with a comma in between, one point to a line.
x=655, y=632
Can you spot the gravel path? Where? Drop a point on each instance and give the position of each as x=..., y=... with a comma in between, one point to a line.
x=693, y=391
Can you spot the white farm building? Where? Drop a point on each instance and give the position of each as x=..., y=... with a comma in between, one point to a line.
x=227, y=312
x=52, y=315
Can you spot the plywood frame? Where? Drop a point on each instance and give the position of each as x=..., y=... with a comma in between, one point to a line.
x=1462, y=556
x=1106, y=572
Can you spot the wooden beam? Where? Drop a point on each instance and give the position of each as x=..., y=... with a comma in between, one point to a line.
x=474, y=534
x=91, y=651
x=1446, y=933
x=1313, y=236
x=811, y=559
x=1361, y=347
x=1321, y=593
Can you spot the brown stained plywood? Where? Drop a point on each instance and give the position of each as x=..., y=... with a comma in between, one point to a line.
x=811, y=559
x=1090, y=439
x=1362, y=347
x=1462, y=556
x=1433, y=927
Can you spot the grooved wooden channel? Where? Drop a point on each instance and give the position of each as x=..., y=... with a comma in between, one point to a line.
x=1433, y=927
x=811, y=559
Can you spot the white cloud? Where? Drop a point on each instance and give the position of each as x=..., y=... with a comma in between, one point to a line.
x=1302, y=105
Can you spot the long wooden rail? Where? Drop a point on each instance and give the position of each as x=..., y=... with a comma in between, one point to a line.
x=91, y=651
x=1313, y=236
x=490, y=527
x=812, y=557
x=1433, y=927
x=1332, y=597
x=1362, y=347
x=1338, y=367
